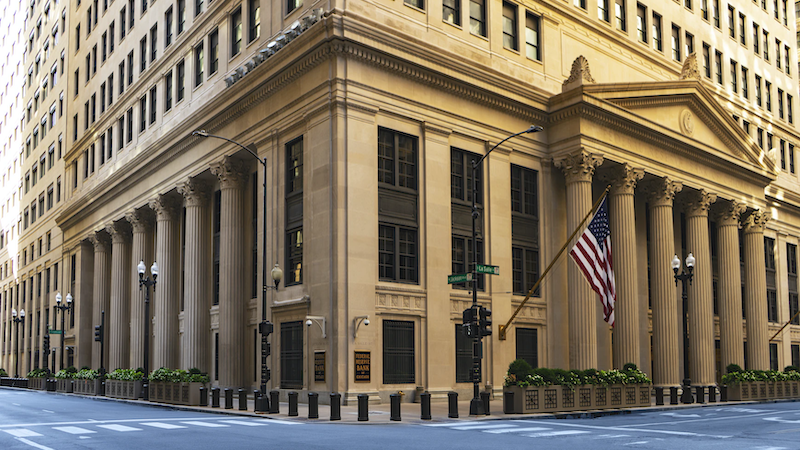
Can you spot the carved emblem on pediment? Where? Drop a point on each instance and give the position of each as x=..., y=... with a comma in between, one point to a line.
x=687, y=122
x=690, y=70
x=580, y=73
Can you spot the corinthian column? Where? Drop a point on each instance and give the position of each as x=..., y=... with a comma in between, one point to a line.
x=666, y=366
x=730, y=282
x=195, y=344
x=100, y=288
x=231, y=272
x=165, y=293
x=578, y=170
x=623, y=239
x=755, y=291
x=141, y=250
x=119, y=316
x=700, y=293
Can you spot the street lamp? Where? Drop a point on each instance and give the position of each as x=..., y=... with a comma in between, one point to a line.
x=265, y=327
x=63, y=309
x=685, y=275
x=476, y=405
x=17, y=321
x=146, y=282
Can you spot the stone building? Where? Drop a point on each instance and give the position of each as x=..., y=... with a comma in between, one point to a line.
x=685, y=109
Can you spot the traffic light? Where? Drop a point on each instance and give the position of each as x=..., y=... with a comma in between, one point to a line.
x=98, y=333
x=485, y=322
x=468, y=319
x=46, y=343
x=265, y=328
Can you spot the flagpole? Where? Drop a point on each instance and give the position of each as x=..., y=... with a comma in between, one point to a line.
x=504, y=328
x=784, y=326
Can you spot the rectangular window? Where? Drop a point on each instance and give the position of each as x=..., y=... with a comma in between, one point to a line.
x=718, y=66
x=768, y=92
x=704, y=9
x=122, y=17
x=130, y=68
x=731, y=21
x=745, y=87
x=168, y=91
x=641, y=22
x=451, y=11
x=104, y=47
x=254, y=19
x=769, y=263
x=398, y=352
x=657, y=43
x=142, y=114
x=461, y=193
x=198, y=65
x=463, y=356
x=734, y=76
x=524, y=229
x=217, y=221
x=236, y=32
x=755, y=39
x=620, y=15
x=153, y=42
x=791, y=158
x=291, y=5
x=168, y=27
x=773, y=348
x=715, y=11
x=294, y=212
x=758, y=91
x=789, y=112
x=291, y=355
x=766, y=45
x=602, y=10
x=528, y=346
x=179, y=79
x=742, y=34
x=477, y=17
x=181, y=16
x=676, y=43
x=130, y=125
x=707, y=60
x=213, y=50
x=778, y=53
x=143, y=55
x=532, y=37
x=786, y=59
x=152, y=105
x=510, y=26
x=780, y=103
x=198, y=7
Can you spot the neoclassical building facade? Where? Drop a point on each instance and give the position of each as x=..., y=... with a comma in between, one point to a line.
x=359, y=110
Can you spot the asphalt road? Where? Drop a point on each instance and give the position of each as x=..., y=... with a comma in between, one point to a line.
x=35, y=419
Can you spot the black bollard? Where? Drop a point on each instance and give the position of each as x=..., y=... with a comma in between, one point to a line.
x=508, y=402
x=242, y=400
x=485, y=399
x=712, y=394
x=274, y=402
x=256, y=399
x=363, y=405
x=723, y=393
x=336, y=406
x=292, y=404
x=452, y=405
x=228, y=398
x=313, y=405
x=659, y=396
x=394, y=407
x=673, y=395
x=215, y=397
x=700, y=392
x=425, y=406
x=203, y=396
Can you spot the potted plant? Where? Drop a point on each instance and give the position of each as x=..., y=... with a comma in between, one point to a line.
x=124, y=383
x=86, y=382
x=176, y=386
x=36, y=378
x=64, y=379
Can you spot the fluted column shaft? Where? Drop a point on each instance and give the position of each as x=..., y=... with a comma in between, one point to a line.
x=165, y=292
x=197, y=323
x=755, y=291
x=623, y=240
x=701, y=293
x=119, y=319
x=582, y=300
x=729, y=285
x=100, y=290
x=231, y=277
x=141, y=224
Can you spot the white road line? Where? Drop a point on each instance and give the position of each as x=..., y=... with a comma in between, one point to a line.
x=618, y=428
x=636, y=443
x=610, y=436
x=483, y=426
x=74, y=430
x=517, y=430
x=95, y=422
x=166, y=426
x=33, y=444
x=113, y=427
x=448, y=424
x=15, y=404
x=205, y=424
x=22, y=432
x=654, y=424
x=244, y=422
x=285, y=422
x=556, y=433
x=48, y=411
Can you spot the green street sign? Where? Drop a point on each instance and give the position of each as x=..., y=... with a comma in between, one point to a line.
x=459, y=278
x=55, y=331
x=491, y=270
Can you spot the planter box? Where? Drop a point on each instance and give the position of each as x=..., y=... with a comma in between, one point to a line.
x=86, y=387
x=581, y=398
x=123, y=389
x=175, y=393
x=36, y=383
x=64, y=385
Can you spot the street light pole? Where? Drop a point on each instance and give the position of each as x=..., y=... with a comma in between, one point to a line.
x=146, y=282
x=63, y=309
x=685, y=275
x=17, y=321
x=476, y=405
x=265, y=327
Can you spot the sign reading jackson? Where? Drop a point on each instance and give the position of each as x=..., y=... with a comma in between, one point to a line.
x=362, y=366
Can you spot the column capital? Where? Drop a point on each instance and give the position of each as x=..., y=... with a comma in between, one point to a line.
x=194, y=192
x=662, y=192
x=166, y=208
x=624, y=179
x=140, y=220
x=120, y=232
x=698, y=203
x=728, y=212
x=231, y=173
x=100, y=241
x=756, y=222
x=579, y=166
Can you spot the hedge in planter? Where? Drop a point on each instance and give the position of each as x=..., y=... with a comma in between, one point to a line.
x=124, y=383
x=64, y=379
x=176, y=386
x=36, y=378
x=86, y=382
x=761, y=384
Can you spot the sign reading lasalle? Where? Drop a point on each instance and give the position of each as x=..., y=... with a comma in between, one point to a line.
x=362, y=366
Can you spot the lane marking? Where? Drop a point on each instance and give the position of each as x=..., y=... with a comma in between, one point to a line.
x=22, y=432
x=33, y=444
x=778, y=419
x=699, y=420
x=610, y=436
x=95, y=422
x=113, y=427
x=680, y=415
x=285, y=422
x=517, y=430
x=556, y=433
x=619, y=428
x=15, y=404
x=205, y=424
x=48, y=411
x=636, y=443
x=74, y=430
x=166, y=426
x=482, y=426
x=244, y=422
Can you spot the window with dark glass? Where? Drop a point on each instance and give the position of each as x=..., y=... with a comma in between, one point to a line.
x=510, y=40
x=657, y=41
x=791, y=269
x=772, y=294
x=181, y=16
x=532, y=36
x=291, y=355
x=236, y=32
x=291, y=5
x=213, y=52
x=398, y=352
x=198, y=65
x=524, y=229
x=217, y=223
x=294, y=212
x=451, y=11
x=253, y=20
x=477, y=17
x=461, y=189
x=179, y=80
x=168, y=27
x=168, y=91
x=641, y=22
x=463, y=356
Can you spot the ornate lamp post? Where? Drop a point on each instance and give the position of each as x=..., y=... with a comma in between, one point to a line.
x=146, y=282
x=63, y=309
x=17, y=321
x=684, y=276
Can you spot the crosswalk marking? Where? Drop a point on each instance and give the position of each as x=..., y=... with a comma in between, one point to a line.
x=244, y=422
x=22, y=432
x=517, y=430
x=205, y=424
x=556, y=433
x=117, y=427
x=166, y=426
x=287, y=422
x=482, y=426
x=74, y=430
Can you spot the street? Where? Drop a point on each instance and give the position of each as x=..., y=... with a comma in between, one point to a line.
x=36, y=419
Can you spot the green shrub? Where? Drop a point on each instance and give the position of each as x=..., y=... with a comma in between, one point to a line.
x=196, y=371
x=629, y=366
x=37, y=373
x=786, y=369
x=731, y=368
x=125, y=375
x=165, y=375
x=86, y=374
x=63, y=375
x=3, y=372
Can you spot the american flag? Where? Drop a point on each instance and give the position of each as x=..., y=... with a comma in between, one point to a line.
x=592, y=253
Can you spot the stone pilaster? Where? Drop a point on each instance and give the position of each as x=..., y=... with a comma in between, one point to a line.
x=142, y=226
x=666, y=337
x=100, y=289
x=755, y=291
x=700, y=293
x=623, y=241
x=165, y=293
x=578, y=170
x=729, y=284
x=119, y=316
x=197, y=323
x=231, y=277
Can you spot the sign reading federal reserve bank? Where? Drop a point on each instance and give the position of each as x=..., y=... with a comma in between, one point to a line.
x=319, y=366
x=362, y=366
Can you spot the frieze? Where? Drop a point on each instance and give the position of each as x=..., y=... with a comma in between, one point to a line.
x=400, y=300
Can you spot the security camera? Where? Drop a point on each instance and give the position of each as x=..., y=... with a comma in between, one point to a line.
x=308, y=322
x=366, y=322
